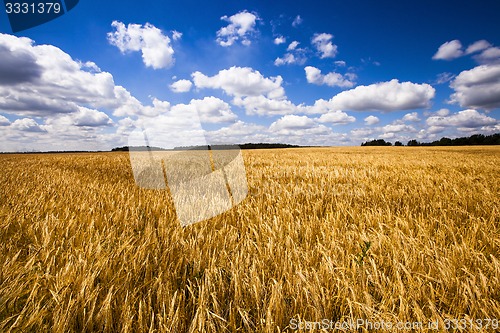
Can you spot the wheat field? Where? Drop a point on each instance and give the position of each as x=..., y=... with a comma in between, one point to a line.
x=387, y=234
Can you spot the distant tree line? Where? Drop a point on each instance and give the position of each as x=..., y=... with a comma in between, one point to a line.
x=242, y=146
x=138, y=148
x=379, y=142
x=473, y=140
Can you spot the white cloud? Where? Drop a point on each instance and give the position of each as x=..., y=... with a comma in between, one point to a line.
x=388, y=135
x=78, y=122
x=297, y=128
x=241, y=81
x=395, y=131
x=257, y=94
x=384, y=96
x=59, y=84
x=292, y=122
x=288, y=129
x=176, y=35
x=263, y=106
x=313, y=75
x=295, y=55
x=362, y=133
x=181, y=86
x=340, y=63
x=442, y=112
x=241, y=26
x=489, y=56
x=290, y=58
x=477, y=46
x=210, y=109
x=443, y=78
x=279, y=40
x=26, y=125
x=293, y=45
x=297, y=21
x=449, y=50
x=453, y=49
x=180, y=126
x=478, y=87
x=4, y=121
x=239, y=132
x=90, y=118
x=413, y=116
x=336, y=117
x=323, y=43
x=435, y=129
x=371, y=120
x=156, y=49
x=395, y=128
x=466, y=118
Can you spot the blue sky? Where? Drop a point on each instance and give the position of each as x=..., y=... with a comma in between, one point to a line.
x=311, y=73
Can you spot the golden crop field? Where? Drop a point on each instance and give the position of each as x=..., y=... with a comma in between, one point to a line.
x=387, y=234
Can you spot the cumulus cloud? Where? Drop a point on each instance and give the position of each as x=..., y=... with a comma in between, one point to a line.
x=314, y=76
x=239, y=132
x=298, y=127
x=435, y=129
x=279, y=40
x=478, y=87
x=467, y=118
x=240, y=28
x=61, y=84
x=18, y=65
x=295, y=55
x=210, y=110
x=257, y=94
x=241, y=81
x=181, y=86
x=293, y=122
x=413, y=117
x=84, y=117
x=263, y=106
x=449, y=51
x=371, y=120
x=293, y=45
x=156, y=49
x=477, y=46
x=362, y=133
x=323, y=44
x=297, y=58
x=26, y=125
x=442, y=112
x=73, y=99
x=4, y=121
x=384, y=96
x=180, y=126
x=89, y=117
x=336, y=117
x=395, y=128
x=489, y=56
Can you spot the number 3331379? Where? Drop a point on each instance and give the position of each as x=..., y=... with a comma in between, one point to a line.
x=32, y=8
